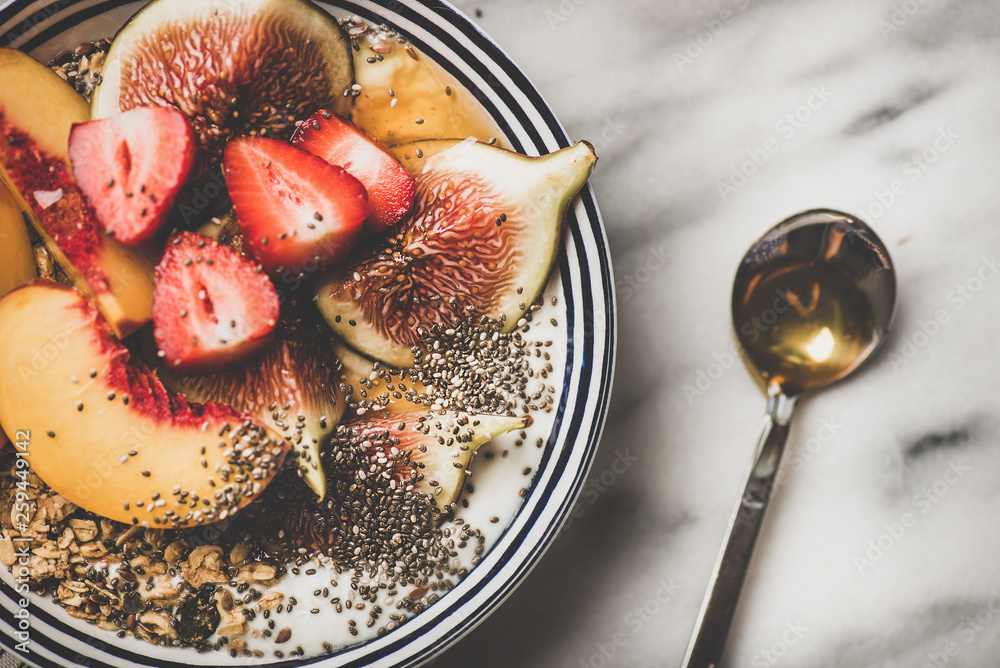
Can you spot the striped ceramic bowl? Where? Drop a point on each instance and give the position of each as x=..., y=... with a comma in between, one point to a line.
x=583, y=283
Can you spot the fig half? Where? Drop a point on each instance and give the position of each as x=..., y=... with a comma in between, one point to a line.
x=393, y=477
x=481, y=240
x=252, y=67
x=432, y=450
x=293, y=388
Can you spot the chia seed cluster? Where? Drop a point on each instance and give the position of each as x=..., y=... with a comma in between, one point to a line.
x=477, y=367
x=373, y=519
x=473, y=366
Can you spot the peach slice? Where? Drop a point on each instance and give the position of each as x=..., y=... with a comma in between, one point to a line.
x=432, y=104
x=37, y=111
x=17, y=261
x=106, y=434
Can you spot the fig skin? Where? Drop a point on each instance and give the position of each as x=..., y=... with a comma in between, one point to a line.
x=481, y=240
x=106, y=434
x=252, y=67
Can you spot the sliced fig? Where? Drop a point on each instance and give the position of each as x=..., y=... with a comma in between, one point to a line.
x=481, y=240
x=252, y=67
x=431, y=449
x=392, y=477
x=293, y=388
x=390, y=388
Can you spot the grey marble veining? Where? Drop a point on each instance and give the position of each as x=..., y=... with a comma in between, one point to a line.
x=713, y=121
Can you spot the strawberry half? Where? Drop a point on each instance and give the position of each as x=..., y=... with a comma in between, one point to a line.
x=211, y=306
x=390, y=187
x=297, y=212
x=131, y=166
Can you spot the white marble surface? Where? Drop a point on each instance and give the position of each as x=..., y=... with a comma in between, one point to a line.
x=881, y=545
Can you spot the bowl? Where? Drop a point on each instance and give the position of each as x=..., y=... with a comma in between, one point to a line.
x=585, y=336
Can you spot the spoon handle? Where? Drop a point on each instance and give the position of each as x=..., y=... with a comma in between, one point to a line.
x=709, y=636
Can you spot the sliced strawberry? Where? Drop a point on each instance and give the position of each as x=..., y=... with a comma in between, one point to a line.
x=131, y=166
x=297, y=212
x=390, y=187
x=211, y=306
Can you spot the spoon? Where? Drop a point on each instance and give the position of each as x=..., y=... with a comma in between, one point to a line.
x=812, y=300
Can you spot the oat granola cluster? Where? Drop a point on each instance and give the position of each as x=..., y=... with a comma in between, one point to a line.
x=160, y=585
x=81, y=67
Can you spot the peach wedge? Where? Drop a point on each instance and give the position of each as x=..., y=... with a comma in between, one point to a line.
x=17, y=261
x=106, y=434
x=37, y=111
x=435, y=105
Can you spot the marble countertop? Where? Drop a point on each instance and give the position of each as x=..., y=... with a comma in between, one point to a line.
x=715, y=120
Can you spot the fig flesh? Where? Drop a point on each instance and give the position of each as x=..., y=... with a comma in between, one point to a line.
x=252, y=67
x=481, y=240
x=437, y=446
x=293, y=388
